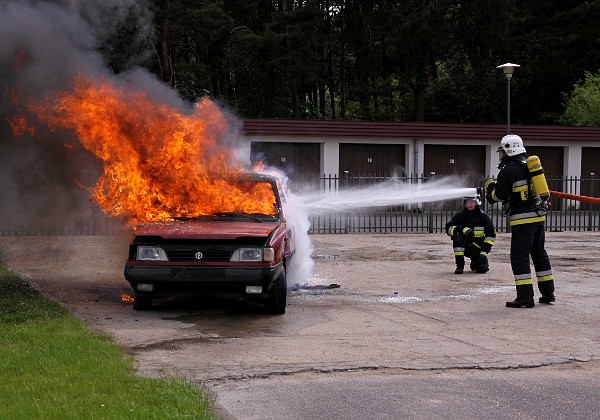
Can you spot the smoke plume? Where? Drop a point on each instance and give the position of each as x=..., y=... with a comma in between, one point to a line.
x=44, y=173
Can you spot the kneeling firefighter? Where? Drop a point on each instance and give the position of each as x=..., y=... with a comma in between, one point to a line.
x=522, y=186
x=473, y=234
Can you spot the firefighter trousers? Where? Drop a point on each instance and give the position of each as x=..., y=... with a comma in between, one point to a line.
x=528, y=240
x=462, y=248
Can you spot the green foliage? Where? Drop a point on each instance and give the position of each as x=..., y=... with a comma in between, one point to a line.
x=379, y=60
x=52, y=366
x=458, y=96
x=583, y=104
x=555, y=42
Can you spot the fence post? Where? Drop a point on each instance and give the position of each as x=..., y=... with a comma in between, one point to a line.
x=347, y=186
x=430, y=209
x=590, y=213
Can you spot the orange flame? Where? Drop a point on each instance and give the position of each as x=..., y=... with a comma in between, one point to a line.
x=126, y=298
x=158, y=163
x=19, y=126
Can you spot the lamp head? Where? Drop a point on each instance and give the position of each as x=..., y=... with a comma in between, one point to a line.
x=508, y=69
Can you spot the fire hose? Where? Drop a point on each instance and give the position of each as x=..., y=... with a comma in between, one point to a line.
x=583, y=198
x=558, y=194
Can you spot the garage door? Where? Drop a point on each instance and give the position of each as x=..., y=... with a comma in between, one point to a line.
x=300, y=161
x=590, y=164
x=383, y=160
x=552, y=159
x=466, y=161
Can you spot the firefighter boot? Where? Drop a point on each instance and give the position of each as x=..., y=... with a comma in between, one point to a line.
x=547, y=298
x=521, y=303
x=460, y=264
x=547, y=291
x=524, y=297
x=480, y=264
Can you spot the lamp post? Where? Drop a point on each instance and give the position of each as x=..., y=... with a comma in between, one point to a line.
x=508, y=69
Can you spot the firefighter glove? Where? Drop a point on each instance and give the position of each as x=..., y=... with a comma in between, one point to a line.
x=468, y=233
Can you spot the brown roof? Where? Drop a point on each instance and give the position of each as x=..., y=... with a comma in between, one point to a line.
x=420, y=130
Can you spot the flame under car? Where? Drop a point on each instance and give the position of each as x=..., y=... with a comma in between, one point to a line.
x=232, y=255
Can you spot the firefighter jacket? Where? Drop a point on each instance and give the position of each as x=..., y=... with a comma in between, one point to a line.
x=484, y=232
x=514, y=187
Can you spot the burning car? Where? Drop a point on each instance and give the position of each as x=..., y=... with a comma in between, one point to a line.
x=230, y=254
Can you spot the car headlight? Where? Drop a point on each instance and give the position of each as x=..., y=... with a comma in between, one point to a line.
x=151, y=253
x=253, y=255
x=268, y=254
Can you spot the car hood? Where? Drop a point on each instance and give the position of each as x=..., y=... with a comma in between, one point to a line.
x=206, y=229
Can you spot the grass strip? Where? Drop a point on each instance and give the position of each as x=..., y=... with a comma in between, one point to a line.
x=53, y=366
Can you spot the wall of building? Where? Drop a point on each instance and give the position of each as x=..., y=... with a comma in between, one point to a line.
x=463, y=140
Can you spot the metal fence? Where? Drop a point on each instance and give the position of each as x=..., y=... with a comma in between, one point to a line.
x=563, y=214
x=93, y=226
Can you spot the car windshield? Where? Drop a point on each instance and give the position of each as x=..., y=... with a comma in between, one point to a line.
x=232, y=216
x=248, y=198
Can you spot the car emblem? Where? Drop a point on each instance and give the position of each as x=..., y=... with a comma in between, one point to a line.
x=198, y=255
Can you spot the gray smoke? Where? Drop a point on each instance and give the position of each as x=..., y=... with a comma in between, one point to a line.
x=62, y=38
x=44, y=45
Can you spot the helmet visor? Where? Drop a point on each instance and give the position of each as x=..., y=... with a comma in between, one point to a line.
x=470, y=201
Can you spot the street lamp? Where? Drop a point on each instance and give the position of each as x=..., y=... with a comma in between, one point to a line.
x=508, y=69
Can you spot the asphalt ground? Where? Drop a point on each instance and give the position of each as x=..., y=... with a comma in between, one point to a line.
x=401, y=337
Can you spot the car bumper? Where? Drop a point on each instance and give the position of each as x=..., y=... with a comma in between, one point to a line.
x=228, y=282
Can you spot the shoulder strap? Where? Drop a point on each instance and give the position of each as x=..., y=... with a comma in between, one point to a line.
x=528, y=174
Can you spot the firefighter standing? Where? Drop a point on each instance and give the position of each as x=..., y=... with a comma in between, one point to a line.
x=526, y=215
x=473, y=234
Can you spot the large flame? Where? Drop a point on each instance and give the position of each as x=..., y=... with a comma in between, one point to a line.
x=158, y=163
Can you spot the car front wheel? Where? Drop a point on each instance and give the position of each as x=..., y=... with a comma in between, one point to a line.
x=277, y=300
x=141, y=303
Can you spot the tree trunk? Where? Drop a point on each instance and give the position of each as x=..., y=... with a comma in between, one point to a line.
x=419, y=110
x=331, y=82
x=295, y=87
x=419, y=93
x=166, y=67
x=342, y=83
x=322, y=99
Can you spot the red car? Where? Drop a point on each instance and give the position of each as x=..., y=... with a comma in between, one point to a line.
x=225, y=255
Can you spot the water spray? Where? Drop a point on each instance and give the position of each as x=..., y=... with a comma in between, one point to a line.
x=389, y=193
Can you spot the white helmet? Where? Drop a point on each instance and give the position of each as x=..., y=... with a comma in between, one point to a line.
x=476, y=198
x=512, y=145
